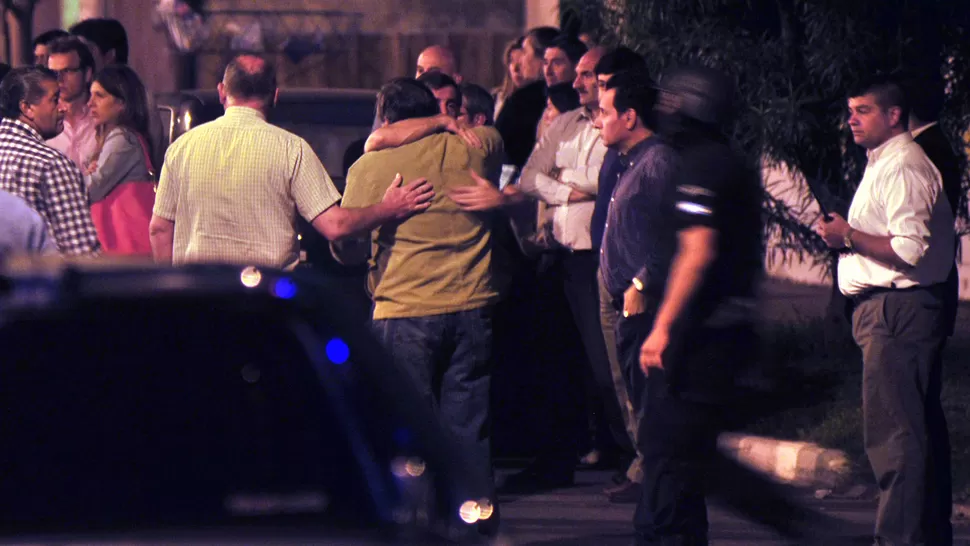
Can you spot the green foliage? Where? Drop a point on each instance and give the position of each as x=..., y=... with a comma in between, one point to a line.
x=794, y=62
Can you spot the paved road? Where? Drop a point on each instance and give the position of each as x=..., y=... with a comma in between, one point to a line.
x=581, y=516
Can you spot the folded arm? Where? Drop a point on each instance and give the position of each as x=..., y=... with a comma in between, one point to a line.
x=120, y=158
x=586, y=178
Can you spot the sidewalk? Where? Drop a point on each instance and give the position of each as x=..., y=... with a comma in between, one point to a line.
x=581, y=516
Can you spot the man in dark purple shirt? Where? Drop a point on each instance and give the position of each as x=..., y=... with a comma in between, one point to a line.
x=627, y=490
x=638, y=242
x=621, y=59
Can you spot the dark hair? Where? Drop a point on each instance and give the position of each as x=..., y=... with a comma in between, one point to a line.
x=73, y=44
x=563, y=96
x=242, y=82
x=436, y=80
x=107, y=34
x=571, y=46
x=925, y=95
x=4, y=69
x=477, y=100
x=621, y=59
x=405, y=98
x=121, y=82
x=636, y=91
x=47, y=37
x=541, y=38
x=888, y=92
x=23, y=85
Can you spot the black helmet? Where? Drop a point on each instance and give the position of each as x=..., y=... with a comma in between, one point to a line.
x=697, y=92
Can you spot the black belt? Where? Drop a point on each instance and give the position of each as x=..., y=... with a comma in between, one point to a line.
x=876, y=290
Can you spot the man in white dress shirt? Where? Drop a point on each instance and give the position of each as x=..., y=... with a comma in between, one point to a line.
x=899, y=238
x=563, y=172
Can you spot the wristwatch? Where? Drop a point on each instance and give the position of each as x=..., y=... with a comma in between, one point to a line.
x=847, y=240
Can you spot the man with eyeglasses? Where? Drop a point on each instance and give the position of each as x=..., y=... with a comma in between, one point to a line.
x=73, y=63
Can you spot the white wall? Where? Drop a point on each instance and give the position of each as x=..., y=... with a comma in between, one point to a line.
x=540, y=13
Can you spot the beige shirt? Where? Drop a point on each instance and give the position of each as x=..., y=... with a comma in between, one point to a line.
x=234, y=186
x=901, y=194
x=439, y=261
x=78, y=141
x=572, y=144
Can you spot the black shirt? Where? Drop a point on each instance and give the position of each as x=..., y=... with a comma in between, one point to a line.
x=716, y=338
x=518, y=120
x=716, y=188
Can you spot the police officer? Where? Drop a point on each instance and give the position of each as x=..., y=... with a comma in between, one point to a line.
x=702, y=333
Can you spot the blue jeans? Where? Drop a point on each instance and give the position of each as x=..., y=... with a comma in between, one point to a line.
x=449, y=357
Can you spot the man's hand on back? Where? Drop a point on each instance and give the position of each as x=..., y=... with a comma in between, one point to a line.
x=483, y=195
x=404, y=201
x=461, y=129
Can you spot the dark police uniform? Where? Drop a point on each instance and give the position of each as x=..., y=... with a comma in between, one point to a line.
x=689, y=402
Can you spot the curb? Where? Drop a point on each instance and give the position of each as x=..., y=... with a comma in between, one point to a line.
x=807, y=465
x=797, y=463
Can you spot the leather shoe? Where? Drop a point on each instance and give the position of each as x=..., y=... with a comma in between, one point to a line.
x=628, y=493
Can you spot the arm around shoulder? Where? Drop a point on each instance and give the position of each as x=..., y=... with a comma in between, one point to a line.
x=405, y=132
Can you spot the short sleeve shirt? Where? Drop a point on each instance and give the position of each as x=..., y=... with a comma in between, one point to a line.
x=234, y=186
x=716, y=189
x=439, y=261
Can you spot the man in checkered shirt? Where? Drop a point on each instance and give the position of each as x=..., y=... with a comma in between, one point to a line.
x=43, y=177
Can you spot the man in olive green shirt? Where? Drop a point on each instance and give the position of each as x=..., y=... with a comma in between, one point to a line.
x=431, y=275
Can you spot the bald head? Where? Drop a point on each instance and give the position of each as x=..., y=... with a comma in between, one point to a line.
x=438, y=58
x=585, y=83
x=249, y=79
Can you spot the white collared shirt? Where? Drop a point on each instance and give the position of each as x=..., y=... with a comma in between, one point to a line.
x=901, y=194
x=78, y=141
x=572, y=144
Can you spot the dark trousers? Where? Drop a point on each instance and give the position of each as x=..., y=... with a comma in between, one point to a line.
x=678, y=441
x=573, y=365
x=449, y=358
x=630, y=334
x=631, y=420
x=902, y=334
x=581, y=286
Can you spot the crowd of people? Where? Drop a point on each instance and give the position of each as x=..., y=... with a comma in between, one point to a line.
x=586, y=219
x=77, y=127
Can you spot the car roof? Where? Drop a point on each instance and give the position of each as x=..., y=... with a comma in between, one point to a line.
x=309, y=106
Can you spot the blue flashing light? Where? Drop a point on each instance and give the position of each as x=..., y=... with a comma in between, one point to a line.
x=337, y=351
x=284, y=289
